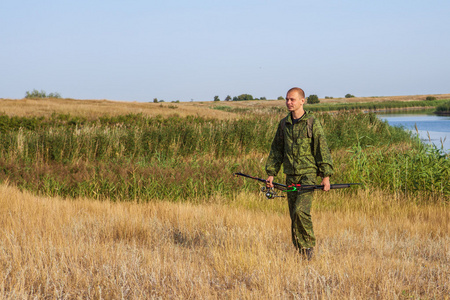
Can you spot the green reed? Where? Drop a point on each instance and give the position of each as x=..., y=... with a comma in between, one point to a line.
x=422, y=168
x=443, y=108
x=135, y=157
x=163, y=139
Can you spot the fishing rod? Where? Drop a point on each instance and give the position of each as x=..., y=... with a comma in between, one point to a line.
x=270, y=193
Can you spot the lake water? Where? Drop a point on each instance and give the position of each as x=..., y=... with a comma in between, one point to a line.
x=431, y=128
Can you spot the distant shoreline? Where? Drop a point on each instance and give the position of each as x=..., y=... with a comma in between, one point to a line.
x=399, y=109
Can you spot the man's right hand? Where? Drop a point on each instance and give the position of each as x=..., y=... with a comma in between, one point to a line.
x=269, y=181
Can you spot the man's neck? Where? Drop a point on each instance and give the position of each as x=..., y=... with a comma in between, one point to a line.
x=297, y=114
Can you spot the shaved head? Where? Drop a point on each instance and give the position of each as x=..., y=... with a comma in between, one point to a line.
x=300, y=92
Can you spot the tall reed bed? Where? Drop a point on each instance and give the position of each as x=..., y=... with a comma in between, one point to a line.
x=135, y=157
x=134, y=137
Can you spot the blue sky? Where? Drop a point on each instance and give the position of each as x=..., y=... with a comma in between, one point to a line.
x=137, y=50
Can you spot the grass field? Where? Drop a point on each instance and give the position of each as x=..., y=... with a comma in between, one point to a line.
x=373, y=246
x=129, y=206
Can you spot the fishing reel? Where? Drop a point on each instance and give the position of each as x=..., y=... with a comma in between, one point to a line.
x=269, y=193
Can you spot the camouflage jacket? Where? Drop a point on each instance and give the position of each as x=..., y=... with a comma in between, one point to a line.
x=301, y=148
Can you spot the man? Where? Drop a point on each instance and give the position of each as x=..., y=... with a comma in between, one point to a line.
x=301, y=147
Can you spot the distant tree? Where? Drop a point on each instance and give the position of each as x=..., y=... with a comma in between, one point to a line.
x=430, y=98
x=216, y=98
x=349, y=96
x=263, y=98
x=312, y=99
x=228, y=98
x=328, y=97
x=36, y=94
x=244, y=97
x=161, y=100
x=54, y=95
x=280, y=98
x=155, y=100
x=235, y=98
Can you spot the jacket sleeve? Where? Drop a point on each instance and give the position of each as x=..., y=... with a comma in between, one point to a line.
x=321, y=151
x=276, y=154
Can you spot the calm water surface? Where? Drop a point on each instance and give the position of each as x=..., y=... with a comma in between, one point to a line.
x=431, y=128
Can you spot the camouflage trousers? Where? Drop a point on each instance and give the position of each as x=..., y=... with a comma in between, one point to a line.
x=300, y=212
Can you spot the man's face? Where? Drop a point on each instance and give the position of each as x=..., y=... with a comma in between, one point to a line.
x=294, y=102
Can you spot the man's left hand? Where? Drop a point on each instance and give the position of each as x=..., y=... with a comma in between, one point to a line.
x=326, y=184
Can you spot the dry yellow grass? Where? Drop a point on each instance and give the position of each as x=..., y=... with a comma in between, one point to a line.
x=95, y=108
x=370, y=245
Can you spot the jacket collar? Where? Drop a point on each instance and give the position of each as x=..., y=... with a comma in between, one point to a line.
x=305, y=116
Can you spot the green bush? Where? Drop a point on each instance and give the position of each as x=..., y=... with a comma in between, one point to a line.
x=312, y=99
x=349, y=96
x=430, y=98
